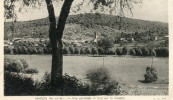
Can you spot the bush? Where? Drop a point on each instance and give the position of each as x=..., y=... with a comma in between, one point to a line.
x=12, y=65
x=101, y=83
x=24, y=50
x=65, y=51
x=15, y=80
x=71, y=50
x=124, y=51
x=30, y=71
x=138, y=51
x=111, y=52
x=68, y=86
x=7, y=50
x=145, y=51
x=162, y=52
x=132, y=52
x=87, y=51
x=101, y=51
x=151, y=75
x=15, y=50
x=105, y=44
x=76, y=51
x=16, y=84
x=82, y=51
x=40, y=50
x=94, y=51
x=119, y=51
x=152, y=52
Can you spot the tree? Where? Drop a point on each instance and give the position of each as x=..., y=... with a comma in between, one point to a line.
x=119, y=51
x=132, y=52
x=76, y=50
x=124, y=50
x=56, y=28
x=94, y=51
x=145, y=51
x=87, y=51
x=105, y=44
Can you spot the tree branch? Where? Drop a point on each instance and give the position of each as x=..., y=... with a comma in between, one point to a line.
x=65, y=10
x=51, y=13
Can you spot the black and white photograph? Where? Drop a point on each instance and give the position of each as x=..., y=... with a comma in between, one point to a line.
x=86, y=48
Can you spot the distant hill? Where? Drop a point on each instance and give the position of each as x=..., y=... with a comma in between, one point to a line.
x=84, y=26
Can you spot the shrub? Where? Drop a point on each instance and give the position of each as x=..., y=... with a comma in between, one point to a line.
x=132, y=52
x=82, y=51
x=100, y=51
x=30, y=71
x=7, y=50
x=138, y=51
x=101, y=83
x=71, y=50
x=124, y=51
x=145, y=51
x=87, y=51
x=16, y=84
x=15, y=50
x=40, y=50
x=162, y=52
x=19, y=49
x=76, y=51
x=105, y=44
x=65, y=51
x=94, y=51
x=151, y=75
x=12, y=65
x=111, y=52
x=24, y=63
x=68, y=86
x=152, y=52
x=24, y=50
x=15, y=80
x=119, y=51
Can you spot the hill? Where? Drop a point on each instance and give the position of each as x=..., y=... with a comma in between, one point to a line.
x=85, y=25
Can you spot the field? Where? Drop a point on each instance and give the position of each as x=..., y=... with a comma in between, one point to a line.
x=127, y=70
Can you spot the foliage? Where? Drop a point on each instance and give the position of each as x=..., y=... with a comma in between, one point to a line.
x=87, y=51
x=101, y=83
x=101, y=51
x=30, y=71
x=152, y=52
x=124, y=50
x=105, y=44
x=138, y=51
x=145, y=51
x=65, y=51
x=16, y=84
x=119, y=51
x=15, y=80
x=162, y=52
x=76, y=51
x=7, y=50
x=82, y=51
x=71, y=50
x=132, y=52
x=151, y=74
x=111, y=52
x=94, y=51
x=68, y=86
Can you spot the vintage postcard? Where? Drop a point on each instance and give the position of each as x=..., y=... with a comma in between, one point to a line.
x=86, y=49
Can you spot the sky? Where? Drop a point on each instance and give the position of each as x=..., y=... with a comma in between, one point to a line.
x=153, y=10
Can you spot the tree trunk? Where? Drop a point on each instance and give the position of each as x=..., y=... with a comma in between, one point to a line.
x=55, y=35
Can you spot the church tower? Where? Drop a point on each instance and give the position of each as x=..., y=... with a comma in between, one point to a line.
x=95, y=36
